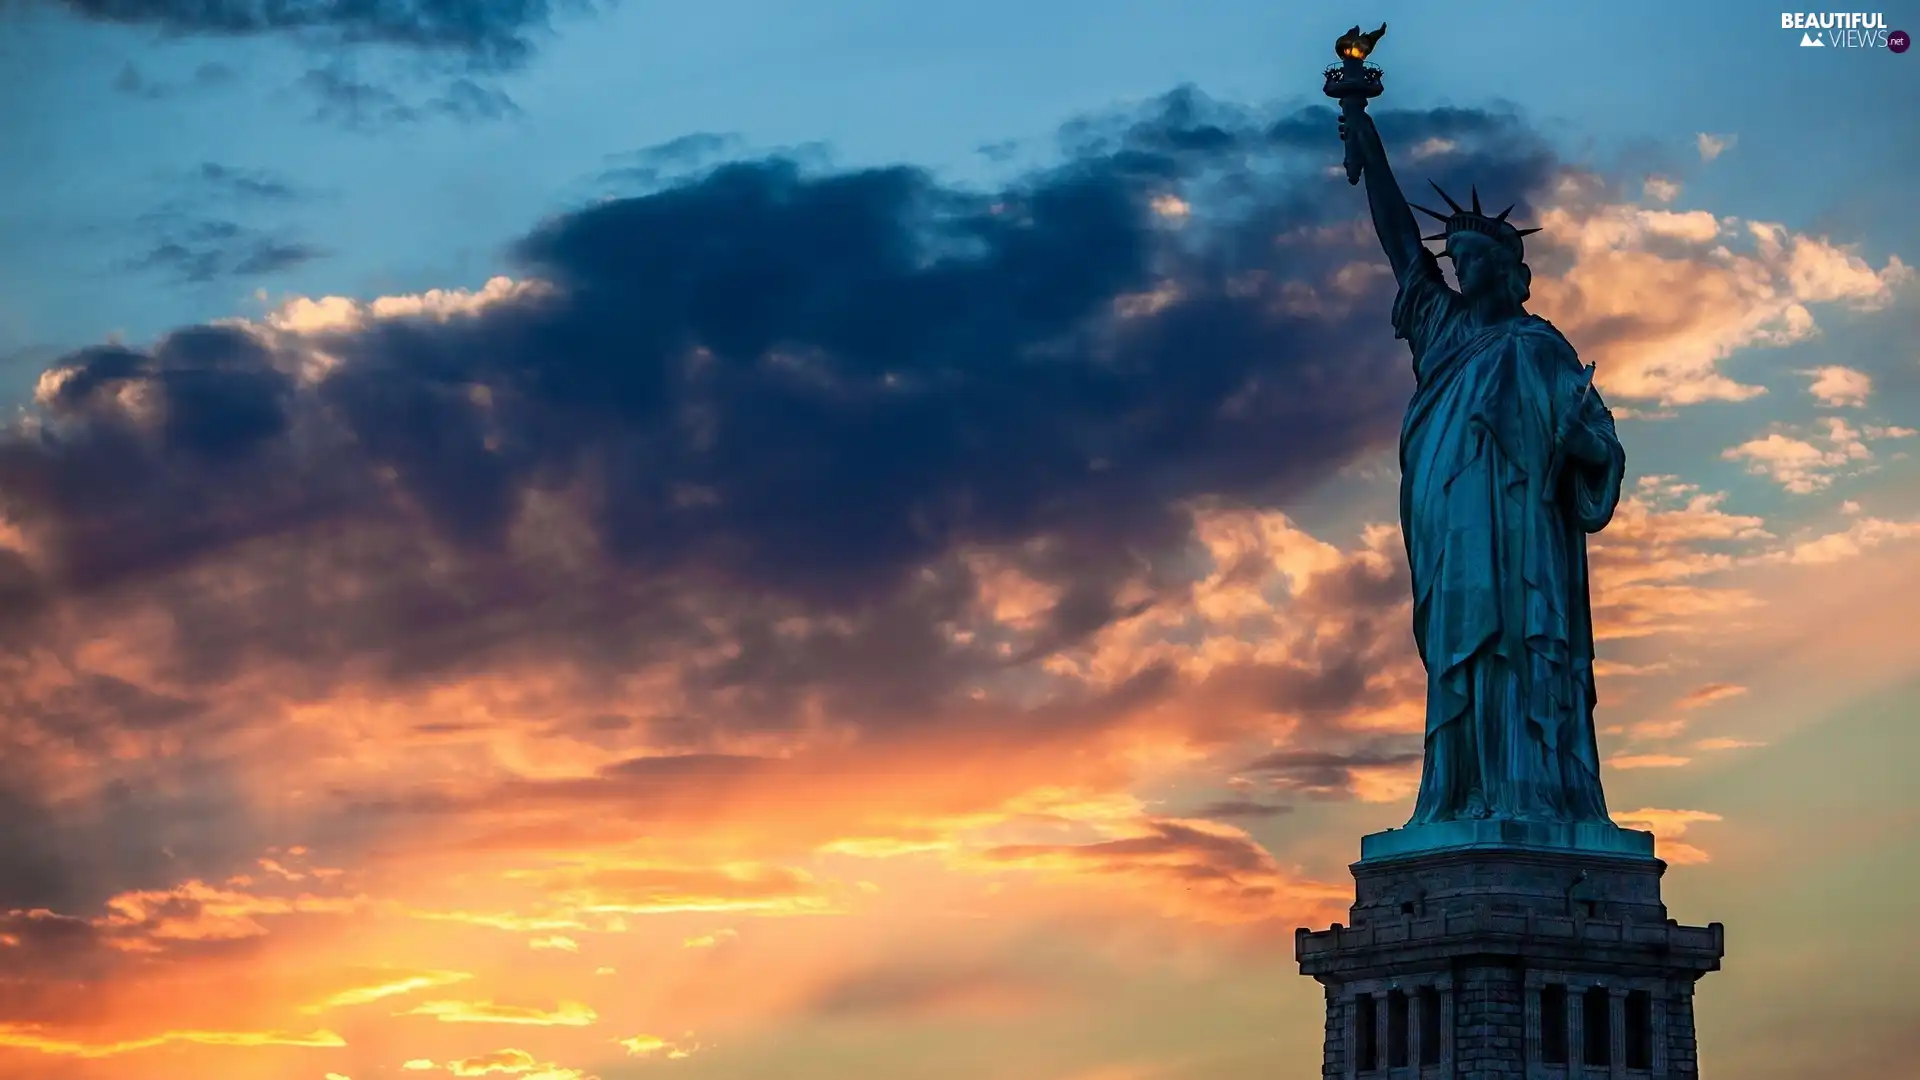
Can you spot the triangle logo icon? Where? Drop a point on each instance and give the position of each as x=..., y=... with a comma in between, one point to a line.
x=1808, y=41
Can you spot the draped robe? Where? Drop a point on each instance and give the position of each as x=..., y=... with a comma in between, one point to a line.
x=1501, y=612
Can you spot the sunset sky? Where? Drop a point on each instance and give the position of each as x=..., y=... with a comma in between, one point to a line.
x=856, y=539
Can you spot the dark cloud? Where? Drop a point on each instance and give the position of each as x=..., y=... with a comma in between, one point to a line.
x=678, y=160
x=232, y=182
x=783, y=401
x=51, y=966
x=220, y=249
x=811, y=387
x=33, y=870
x=205, y=232
x=1329, y=774
x=1000, y=151
x=344, y=98
x=215, y=225
x=134, y=83
x=199, y=251
x=483, y=34
x=471, y=102
x=1242, y=808
x=1170, y=848
x=1219, y=876
x=151, y=828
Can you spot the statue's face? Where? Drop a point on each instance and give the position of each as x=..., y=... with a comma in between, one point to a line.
x=1479, y=263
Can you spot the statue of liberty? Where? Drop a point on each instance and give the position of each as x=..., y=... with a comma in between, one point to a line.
x=1508, y=461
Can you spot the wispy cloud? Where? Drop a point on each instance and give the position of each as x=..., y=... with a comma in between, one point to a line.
x=344, y=97
x=1839, y=387
x=31, y=1037
x=565, y=1014
x=1804, y=462
x=132, y=82
x=387, y=985
x=201, y=251
x=1668, y=828
x=1712, y=146
x=482, y=36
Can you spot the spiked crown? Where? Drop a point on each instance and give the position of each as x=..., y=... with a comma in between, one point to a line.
x=1496, y=228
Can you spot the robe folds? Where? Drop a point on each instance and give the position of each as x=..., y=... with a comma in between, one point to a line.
x=1501, y=613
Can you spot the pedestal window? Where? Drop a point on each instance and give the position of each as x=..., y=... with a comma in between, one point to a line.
x=1429, y=1026
x=1596, y=1015
x=1553, y=1024
x=1639, y=1029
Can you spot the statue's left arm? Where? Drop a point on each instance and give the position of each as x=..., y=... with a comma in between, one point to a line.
x=1596, y=462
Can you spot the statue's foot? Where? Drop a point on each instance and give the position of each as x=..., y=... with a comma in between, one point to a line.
x=1477, y=808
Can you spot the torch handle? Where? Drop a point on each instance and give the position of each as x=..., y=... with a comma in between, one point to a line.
x=1353, y=109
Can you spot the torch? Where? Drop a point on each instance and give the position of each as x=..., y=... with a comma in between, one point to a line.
x=1352, y=81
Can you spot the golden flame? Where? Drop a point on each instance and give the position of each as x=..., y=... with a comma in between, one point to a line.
x=1354, y=45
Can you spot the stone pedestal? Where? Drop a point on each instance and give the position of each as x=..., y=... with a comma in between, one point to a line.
x=1509, y=951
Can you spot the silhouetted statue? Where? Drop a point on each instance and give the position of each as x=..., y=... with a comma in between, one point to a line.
x=1508, y=460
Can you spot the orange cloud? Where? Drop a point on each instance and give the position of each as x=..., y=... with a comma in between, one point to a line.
x=196, y=911
x=566, y=1014
x=514, y=1063
x=500, y=920
x=642, y=889
x=1840, y=387
x=1194, y=869
x=1658, y=297
x=1806, y=465
x=1863, y=535
x=649, y=1045
x=499, y=1061
x=1723, y=743
x=1647, y=761
x=1698, y=698
x=1711, y=693
x=34, y=1037
x=331, y=314
x=1660, y=189
x=392, y=984
x=1654, y=564
x=1668, y=827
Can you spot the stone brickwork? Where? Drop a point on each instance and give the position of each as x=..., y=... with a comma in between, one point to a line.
x=1536, y=965
x=1489, y=1022
x=1332, y=1060
x=1683, y=1060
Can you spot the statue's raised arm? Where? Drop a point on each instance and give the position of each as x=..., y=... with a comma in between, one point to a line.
x=1393, y=218
x=1352, y=82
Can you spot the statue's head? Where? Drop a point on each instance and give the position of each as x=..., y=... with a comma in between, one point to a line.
x=1488, y=253
x=1486, y=267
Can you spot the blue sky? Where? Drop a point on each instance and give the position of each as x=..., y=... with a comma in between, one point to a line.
x=744, y=644
x=429, y=204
